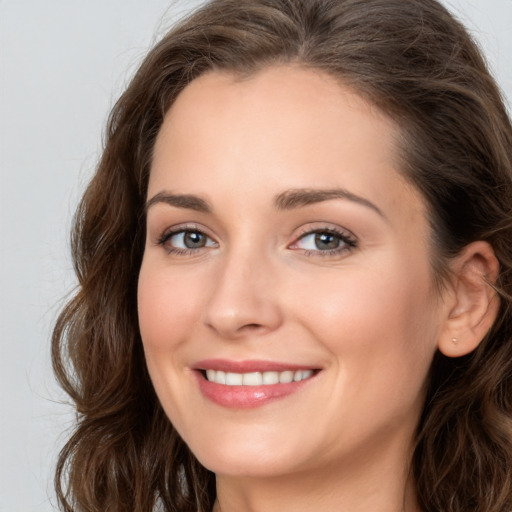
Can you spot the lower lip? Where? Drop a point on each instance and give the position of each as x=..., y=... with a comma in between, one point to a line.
x=246, y=397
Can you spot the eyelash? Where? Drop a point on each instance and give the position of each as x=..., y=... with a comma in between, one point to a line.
x=348, y=241
x=168, y=234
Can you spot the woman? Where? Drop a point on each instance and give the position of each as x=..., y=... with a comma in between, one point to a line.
x=294, y=269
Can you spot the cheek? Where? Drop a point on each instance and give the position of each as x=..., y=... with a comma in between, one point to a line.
x=390, y=292
x=381, y=333
x=167, y=309
x=374, y=321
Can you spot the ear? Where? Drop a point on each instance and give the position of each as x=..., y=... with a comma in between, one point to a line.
x=472, y=303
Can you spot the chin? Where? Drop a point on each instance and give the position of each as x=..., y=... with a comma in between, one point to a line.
x=248, y=458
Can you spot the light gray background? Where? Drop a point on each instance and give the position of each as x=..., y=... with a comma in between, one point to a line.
x=62, y=65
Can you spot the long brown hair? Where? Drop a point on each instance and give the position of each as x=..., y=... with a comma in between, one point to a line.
x=414, y=61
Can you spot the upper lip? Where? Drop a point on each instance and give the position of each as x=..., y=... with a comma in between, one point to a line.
x=249, y=366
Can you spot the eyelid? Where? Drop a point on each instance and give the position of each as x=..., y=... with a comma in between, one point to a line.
x=174, y=230
x=348, y=241
x=347, y=238
x=177, y=228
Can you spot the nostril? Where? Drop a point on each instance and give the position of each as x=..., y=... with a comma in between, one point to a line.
x=251, y=327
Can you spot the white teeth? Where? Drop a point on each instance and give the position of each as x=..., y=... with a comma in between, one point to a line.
x=252, y=379
x=270, y=378
x=257, y=378
x=285, y=377
x=234, y=379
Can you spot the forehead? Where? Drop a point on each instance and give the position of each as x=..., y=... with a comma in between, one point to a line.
x=283, y=127
x=280, y=102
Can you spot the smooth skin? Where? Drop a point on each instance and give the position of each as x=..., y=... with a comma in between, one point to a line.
x=243, y=262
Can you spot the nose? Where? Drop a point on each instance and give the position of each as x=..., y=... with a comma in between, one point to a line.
x=244, y=299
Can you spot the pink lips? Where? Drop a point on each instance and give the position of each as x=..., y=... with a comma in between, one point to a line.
x=245, y=396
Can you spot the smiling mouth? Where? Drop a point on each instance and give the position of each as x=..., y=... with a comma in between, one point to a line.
x=250, y=384
x=267, y=378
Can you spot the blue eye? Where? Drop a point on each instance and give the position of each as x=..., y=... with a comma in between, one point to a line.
x=321, y=241
x=325, y=241
x=186, y=240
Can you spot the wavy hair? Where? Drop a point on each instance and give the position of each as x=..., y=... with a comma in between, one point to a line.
x=414, y=61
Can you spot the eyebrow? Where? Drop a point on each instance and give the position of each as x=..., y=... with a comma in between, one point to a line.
x=297, y=198
x=187, y=201
x=287, y=200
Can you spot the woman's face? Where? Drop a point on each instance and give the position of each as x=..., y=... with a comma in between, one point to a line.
x=286, y=299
